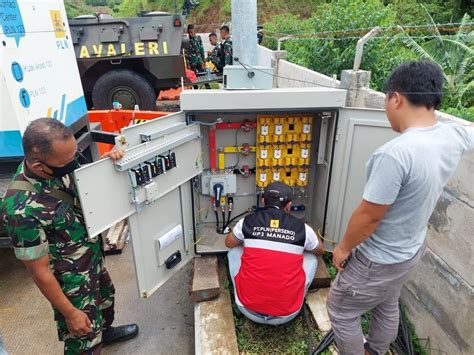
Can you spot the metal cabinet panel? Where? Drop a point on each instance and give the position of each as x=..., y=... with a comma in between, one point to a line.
x=105, y=188
x=148, y=227
x=359, y=133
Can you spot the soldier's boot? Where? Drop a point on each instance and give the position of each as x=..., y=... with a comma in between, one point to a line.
x=120, y=333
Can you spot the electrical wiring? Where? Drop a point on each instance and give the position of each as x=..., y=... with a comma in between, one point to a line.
x=332, y=87
x=302, y=38
x=192, y=245
x=223, y=221
x=453, y=26
x=234, y=218
x=237, y=147
x=323, y=238
x=201, y=210
x=217, y=219
x=219, y=120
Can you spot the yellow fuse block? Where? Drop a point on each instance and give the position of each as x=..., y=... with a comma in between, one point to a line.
x=264, y=128
x=289, y=154
x=298, y=124
x=288, y=176
x=277, y=154
x=278, y=129
x=277, y=174
x=306, y=129
x=302, y=177
x=262, y=178
x=303, y=154
x=289, y=128
x=264, y=152
x=263, y=162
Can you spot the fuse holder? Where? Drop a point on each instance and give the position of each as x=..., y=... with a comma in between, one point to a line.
x=276, y=175
x=263, y=162
x=302, y=177
x=262, y=180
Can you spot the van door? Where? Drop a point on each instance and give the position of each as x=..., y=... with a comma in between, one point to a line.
x=359, y=133
x=149, y=186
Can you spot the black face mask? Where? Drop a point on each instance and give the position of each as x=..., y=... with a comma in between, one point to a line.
x=60, y=171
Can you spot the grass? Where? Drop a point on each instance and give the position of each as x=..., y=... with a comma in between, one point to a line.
x=290, y=338
x=327, y=257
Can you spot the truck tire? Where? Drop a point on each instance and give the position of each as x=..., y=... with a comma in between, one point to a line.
x=125, y=86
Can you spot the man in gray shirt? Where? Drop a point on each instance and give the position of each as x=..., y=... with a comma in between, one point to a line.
x=385, y=236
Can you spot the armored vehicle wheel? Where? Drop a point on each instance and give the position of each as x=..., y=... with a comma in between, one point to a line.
x=126, y=87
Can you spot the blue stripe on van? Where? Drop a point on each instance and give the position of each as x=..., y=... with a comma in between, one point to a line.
x=75, y=110
x=10, y=144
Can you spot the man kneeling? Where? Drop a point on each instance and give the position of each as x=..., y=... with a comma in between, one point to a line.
x=272, y=260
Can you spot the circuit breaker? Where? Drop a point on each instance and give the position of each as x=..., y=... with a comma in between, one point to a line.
x=283, y=149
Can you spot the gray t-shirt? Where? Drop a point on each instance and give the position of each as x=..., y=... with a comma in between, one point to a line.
x=409, y=173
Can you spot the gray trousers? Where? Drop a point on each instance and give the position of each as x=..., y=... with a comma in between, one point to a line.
x=310, y=264
x=367, y=286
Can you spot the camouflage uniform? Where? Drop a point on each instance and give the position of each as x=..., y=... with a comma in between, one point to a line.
x=227, y=58
x=39, y=225
x=195, y=54
x=216, y=56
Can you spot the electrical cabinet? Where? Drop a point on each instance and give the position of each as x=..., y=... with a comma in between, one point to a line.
x=187, y=178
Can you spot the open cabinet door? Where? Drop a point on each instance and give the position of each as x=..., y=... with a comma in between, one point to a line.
x=159, y=209
x=360, y=132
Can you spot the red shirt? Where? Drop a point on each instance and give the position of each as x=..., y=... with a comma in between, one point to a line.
x=271, y=279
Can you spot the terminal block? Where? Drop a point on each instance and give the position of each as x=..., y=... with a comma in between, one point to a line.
x=156, y=166
x=283, y=148
x=169, y=161
x=139, y=176
x=144, y=173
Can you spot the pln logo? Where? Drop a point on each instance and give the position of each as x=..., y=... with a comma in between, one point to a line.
x=274, y=223
x=59, y=29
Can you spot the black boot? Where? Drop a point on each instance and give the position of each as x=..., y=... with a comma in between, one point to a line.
x=120, y=333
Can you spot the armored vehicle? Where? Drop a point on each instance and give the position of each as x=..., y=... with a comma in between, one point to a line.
x=128, y=60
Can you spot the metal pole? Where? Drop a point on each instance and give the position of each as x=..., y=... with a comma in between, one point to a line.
x=360, y=46
x=244, y=31
x=281, y=39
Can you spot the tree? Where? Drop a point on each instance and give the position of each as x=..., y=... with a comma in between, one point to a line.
x=455, y=55
x=329, y=39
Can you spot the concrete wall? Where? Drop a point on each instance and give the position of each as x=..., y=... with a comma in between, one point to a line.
x=439, y=295
x=294, y=76
x=271, y=59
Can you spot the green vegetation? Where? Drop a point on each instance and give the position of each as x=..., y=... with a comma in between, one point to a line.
x=455, y=55
x=327, y=257
x=326, y=41
x=291, y=338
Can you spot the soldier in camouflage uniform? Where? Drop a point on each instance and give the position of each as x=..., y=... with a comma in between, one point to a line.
x=195, y=52
x=227, y=58
x=215, y=55
x=42, y=215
